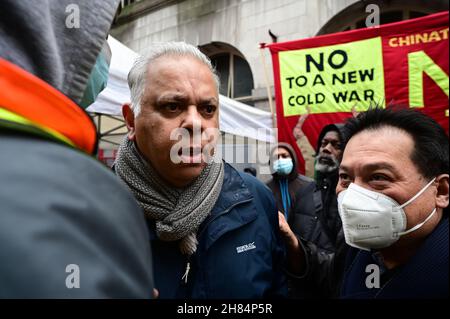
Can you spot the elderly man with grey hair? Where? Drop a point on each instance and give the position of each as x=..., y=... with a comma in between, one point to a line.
x=214, y=231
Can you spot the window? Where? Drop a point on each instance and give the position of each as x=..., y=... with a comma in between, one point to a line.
x=354, y=16
x=124, y=3
x=392, y=16
x=236, y=79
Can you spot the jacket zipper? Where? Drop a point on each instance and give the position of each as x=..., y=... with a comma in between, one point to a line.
x=185, y=276
x=186, y=272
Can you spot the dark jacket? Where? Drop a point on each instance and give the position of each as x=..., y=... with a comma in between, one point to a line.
x=304, y=218
x=327, y=184
x=425, y=275
x=62, y=213
x=240, y=253
x=59, y=207
x=306, y=204
x=325, y=264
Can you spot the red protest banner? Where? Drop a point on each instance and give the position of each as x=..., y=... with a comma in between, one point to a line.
x=403, y=63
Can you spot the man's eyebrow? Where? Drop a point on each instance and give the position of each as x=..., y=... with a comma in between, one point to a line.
x=343, y=168
x=211, y=100
x=379, y=165
x=371, y=167
x=172, y=97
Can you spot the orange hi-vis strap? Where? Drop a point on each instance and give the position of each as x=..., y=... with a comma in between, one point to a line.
x=18, y=123
x=31, y=98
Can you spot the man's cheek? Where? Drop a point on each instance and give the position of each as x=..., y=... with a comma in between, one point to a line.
x=165, y=147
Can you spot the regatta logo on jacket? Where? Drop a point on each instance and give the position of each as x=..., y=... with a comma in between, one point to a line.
x=246, y=247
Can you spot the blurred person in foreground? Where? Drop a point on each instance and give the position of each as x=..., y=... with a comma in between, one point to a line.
x=69, y=228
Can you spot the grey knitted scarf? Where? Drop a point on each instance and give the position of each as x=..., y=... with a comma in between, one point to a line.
x=178, y=212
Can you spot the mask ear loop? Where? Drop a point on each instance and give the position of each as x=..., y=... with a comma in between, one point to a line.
x=418, y=194
x=419, y=225
x=410, y=201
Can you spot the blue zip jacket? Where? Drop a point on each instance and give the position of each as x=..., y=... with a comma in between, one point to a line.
x=240, y=252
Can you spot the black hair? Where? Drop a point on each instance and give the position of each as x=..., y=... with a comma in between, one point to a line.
x=430, y=153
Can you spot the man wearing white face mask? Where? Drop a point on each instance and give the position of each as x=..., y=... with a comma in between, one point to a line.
x=393, y=195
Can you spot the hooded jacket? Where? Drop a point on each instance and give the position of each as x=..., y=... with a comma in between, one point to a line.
x=303, y=214
x=304, y=220
x=69, y=228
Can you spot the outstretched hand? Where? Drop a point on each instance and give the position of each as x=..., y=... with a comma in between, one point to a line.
x=286, y=231
x=298, y=131
x=295, y=254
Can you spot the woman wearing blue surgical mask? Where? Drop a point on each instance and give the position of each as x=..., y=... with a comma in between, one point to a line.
x=283, y=167
x=299, y=205
x=286, y=182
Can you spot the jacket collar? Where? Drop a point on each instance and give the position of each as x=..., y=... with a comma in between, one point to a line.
x=329, y=178
x=233, y=191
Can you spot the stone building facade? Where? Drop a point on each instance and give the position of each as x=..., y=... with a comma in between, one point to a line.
x=230, y=31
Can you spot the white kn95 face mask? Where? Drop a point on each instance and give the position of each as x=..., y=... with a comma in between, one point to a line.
x=372, y=220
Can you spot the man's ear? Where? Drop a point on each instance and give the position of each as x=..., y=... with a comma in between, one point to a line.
x=442, y=191
x=128, y=115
